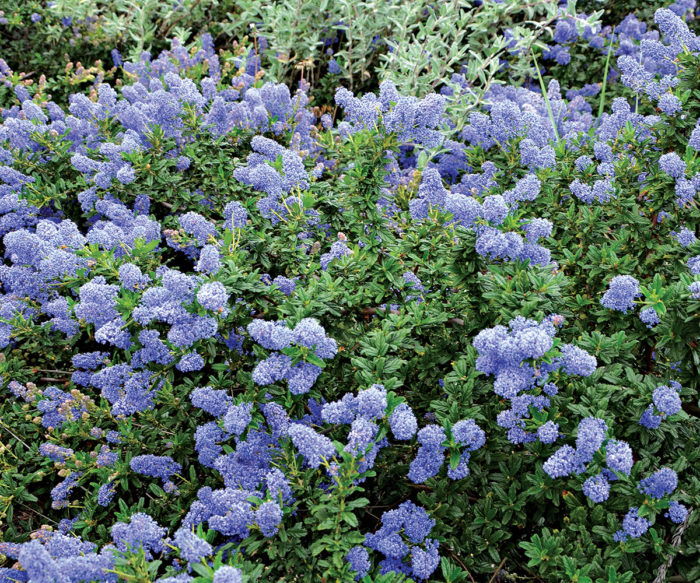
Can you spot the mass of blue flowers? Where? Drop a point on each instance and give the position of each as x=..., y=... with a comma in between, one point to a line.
x=260, y=323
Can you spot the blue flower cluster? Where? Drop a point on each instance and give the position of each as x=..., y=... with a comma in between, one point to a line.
x=622, y=291
x=262, y=175
x=414, y=121
x=657, y=486
x=308, y=336
x=666, y=401
x=486, y=217
x=522, y=357
x=162, y=467
x=403, y=540
x=592, y=438
x=466, y=437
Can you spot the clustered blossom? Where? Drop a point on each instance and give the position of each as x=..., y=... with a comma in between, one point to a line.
x=486, y=217
x=140, y=532
x=633, y=525
x=338, y=250
x=515, y=356
x=666, y=401
x=658, y=485
x=677, y=512
x=650, y=317
x=59, y=557
x=403, y=540
x=156, y=466
x=363, y=413
x=622, y=291
x=412, y=120
x=591, y=440
x=307, y=335
x=274, y=170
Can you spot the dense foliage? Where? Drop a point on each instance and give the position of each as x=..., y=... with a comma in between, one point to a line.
x=379, y=298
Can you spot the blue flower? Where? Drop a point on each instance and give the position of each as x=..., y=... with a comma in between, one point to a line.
x=237, y=418
x=673, y=165
x=213, y=296
x=214, y=402
x=227, y=574
x=660, y=483
x=561, y=463
x=39, y=565
x=190, y=362
x=140, y=532
x=268, y=517
x=597, y=488
x=621, y=293
x=649, y=317
x=313, y=446
x=403, y=422
x=670, y=104
x=209, y=260
x=358, y=557
x=649, y=419
x=431, y=454
x=548, y=433
x=618, y=456
x=685, y=237
x=333, y=67
x=235, y=215
x=667, y=400
x=634, y=525
x=156, y=466
x=192, y=548
x=677, y=512
x=371, y=403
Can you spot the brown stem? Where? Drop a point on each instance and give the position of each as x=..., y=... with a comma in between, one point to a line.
x=456, y=558
x=166, y=32
x=650, y=359
x=498, y=570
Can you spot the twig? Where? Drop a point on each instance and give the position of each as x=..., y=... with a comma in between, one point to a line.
x=36, y=512
x=601, y=106
x=456, y=558
x=174, y=21
x=420, y=487
x=498, y=570
x=13, y=435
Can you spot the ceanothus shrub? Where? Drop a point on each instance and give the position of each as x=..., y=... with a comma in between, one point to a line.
x=247, y=336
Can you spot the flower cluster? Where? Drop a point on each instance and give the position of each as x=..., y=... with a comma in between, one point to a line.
x=466, y=436
x=622, y=291
x=666, y=401
x=403, y=540
x=522, y=357
x=311, y=342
